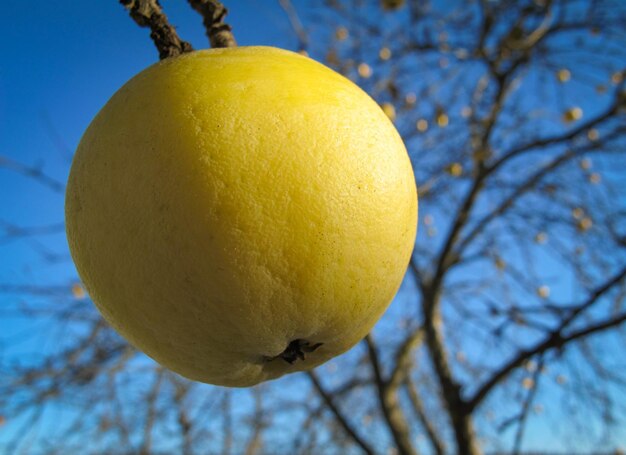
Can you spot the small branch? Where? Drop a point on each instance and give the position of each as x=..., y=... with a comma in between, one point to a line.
x=148, y=13
x=255, y=441
x=33, y=172
x=220, y=34
x=390, y=406
x=444, y=259
x=512, y=199
x=185, y=424
x=555, y=339
x=151, y=413
x=402, y=363
x=564, y=137
x=227, y=423
x=595, y=295
x=523, y=418
x=328, y=399
x=425, y=420
x=9, y=232
x=296, y=23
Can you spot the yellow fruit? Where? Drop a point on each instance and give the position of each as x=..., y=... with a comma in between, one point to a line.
x=239, y=214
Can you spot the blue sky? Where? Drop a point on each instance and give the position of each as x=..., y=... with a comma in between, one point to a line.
x=61, y=62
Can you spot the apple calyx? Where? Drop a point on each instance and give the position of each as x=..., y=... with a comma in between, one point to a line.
x=296, y=350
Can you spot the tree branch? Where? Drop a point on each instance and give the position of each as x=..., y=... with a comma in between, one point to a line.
x=402, y=361
x=220, y=34
x=560, y=138
x=555, y=339
x=33, y=172
x=341, y=419
x=296, y=23
x=523, y=188
x=148, y=13
x=418, y=407
x=389, y=404
x=523, y=417
x=457, y=408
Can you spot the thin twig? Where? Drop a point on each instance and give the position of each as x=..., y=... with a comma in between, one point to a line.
x=553, y=340
x=402, y=363
x=296, y=24
x=389, y=404
x=328, y=399
x=33, y=172
x=418, y=407
x=523, y=418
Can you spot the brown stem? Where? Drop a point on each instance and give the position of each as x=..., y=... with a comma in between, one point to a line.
x=148, y=13
x=220, y=34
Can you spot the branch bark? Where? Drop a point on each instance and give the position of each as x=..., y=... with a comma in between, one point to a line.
x=220, y=34
x=148, y=13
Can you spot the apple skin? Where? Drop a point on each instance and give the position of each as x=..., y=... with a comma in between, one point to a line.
x=239, y=214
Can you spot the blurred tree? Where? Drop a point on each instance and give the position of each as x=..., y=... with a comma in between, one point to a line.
x=513, y=308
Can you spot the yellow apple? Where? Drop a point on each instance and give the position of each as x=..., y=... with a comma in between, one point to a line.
x=239, y=214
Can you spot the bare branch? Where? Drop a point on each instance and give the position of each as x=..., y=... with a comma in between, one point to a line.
x=9, y=231
x=457, y=408
x=220, y=34
x=296, y=23
x=564, y=137
x=255, y=441
x=521, y=189
x=148, y=13
x=523, y=416
x=388, y=398
x=555, y=339
x=33, y=172
x=424, y=420
x=227, y=423
x=181, y=391
x=402, y=361
x=341, y=419
x=151, y=417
